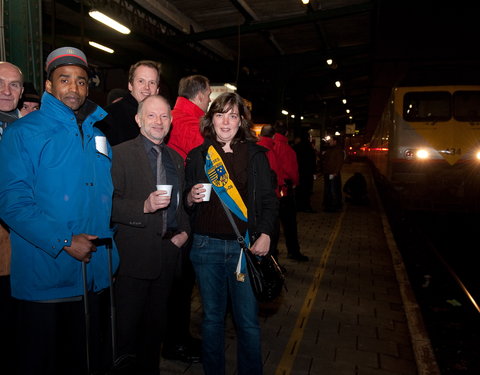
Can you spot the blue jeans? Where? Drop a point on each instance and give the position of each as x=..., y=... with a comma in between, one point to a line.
x=215, y=262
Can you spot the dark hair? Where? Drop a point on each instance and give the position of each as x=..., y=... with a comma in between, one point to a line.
x=222, y=104
x=150, y=63
x=267, y=131
x=280, y=127
x=190, y=86
x=115, y=94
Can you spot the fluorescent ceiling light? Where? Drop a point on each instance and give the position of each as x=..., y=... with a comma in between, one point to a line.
x=99, y=16
x=100, y=46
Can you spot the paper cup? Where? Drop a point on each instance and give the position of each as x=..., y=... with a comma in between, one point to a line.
x=208, y=191
x=168, y=188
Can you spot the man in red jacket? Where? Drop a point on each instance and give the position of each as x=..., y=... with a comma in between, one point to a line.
x=266, y=140
x=287, y=159
x=192, y=103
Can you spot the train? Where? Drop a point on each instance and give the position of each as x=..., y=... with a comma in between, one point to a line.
x=426, y=147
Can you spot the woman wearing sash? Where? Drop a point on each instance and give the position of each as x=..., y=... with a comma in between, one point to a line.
x=240, y=175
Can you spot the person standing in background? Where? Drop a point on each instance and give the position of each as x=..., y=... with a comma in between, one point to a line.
x=30, y=100
x=143, y=80
x=266, y=140
x=332, y=164
x=192, y=103
x=288, y=211
x=307, y=164
x=11, y=88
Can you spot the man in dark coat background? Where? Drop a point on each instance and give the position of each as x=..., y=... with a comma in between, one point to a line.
x=143, y=80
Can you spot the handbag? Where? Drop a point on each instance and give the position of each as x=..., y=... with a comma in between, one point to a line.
x=265, y=275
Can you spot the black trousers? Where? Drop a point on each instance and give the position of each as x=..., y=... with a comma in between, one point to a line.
x=288, y=218
x=303, y=192
x=179, y=306
x=7, y=324
x=274, y=239
x=51, y=337
x=332, y=196
x=142, y=307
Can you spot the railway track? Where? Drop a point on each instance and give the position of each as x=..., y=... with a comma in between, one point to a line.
x=439, y=252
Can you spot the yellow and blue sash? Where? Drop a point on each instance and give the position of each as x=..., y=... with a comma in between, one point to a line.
x=227, y=191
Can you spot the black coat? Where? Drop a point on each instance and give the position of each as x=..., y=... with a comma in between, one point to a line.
x=138, y=236
x=120, y=125
x=262, y=202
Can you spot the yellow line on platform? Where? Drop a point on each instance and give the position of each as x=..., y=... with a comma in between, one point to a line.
x=291, y=350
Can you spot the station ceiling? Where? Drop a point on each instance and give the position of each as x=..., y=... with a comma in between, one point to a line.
x=275, y=51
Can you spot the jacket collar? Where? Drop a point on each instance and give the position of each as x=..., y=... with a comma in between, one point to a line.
x=187, y=106
x=60, y=111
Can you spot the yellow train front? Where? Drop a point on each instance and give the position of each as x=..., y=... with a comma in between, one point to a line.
x=427, y=147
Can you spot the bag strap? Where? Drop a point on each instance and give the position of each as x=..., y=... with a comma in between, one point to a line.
x=240, y=238
x=240, y=272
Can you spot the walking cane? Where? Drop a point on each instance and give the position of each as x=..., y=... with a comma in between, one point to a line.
x=87, y=315
x=108, y=245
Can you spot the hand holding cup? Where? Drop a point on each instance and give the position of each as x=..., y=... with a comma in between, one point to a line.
x=200, y=193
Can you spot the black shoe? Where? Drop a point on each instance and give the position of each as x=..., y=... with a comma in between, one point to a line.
x=124, y=365
x=299, y=256
x=184, y=353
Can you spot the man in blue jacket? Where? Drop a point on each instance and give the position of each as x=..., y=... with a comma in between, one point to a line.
x=56, y=197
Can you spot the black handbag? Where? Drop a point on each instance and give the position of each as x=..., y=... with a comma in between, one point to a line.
x=265, y=275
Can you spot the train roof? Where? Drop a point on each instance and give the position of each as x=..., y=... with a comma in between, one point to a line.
x=440, y=76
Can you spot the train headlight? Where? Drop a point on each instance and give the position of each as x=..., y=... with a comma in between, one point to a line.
x=409, y=154
x=422, y=154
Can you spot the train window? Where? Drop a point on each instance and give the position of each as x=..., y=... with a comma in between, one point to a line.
x=466, y=106
x=426, y=106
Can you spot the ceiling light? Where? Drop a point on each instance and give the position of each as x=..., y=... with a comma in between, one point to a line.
x=100, y=46
x=99, y=16
x=338, y=83
x=305, y=1
x=347, y=110
x=329, y=61
x=284, y=112
x=344, y=101
x=292, y=116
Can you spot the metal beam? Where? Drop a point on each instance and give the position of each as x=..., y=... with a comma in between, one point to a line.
x=254, y=27
x=23, y=38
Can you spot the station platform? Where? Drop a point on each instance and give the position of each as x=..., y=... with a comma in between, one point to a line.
x=349, y=310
